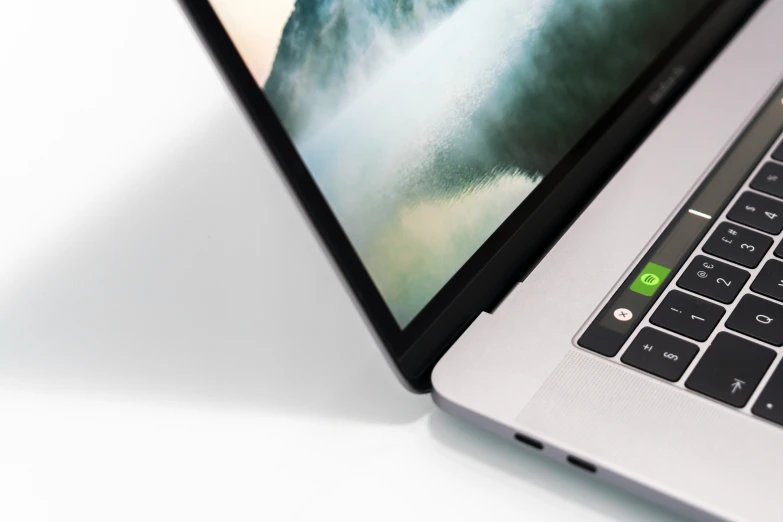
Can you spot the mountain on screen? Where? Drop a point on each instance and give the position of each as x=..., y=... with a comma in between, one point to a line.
x=330, y=46
x=425, y=123
x=330, y=51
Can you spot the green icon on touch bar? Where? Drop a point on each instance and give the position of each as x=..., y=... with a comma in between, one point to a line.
x=649, y=279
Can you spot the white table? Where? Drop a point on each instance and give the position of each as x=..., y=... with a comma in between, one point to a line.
x=173, y=345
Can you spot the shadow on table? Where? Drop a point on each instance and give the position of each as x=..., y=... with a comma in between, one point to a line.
x=199, y=282
x=573, y=485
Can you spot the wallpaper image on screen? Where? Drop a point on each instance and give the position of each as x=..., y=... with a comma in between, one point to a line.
x=425, y=123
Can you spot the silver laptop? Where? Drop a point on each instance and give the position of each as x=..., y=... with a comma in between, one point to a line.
x=561, y=218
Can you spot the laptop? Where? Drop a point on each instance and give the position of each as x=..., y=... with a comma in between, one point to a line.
x=561, y=219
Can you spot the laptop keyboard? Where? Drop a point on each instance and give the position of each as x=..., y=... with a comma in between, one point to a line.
x=713, y=322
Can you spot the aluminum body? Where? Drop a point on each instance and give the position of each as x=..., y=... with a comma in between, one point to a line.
x=519, y=369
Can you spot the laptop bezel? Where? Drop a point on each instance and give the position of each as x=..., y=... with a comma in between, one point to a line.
x=524, y=237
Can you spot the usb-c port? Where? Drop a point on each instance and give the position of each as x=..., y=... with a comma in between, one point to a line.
x=524, y=439
x=581, y=464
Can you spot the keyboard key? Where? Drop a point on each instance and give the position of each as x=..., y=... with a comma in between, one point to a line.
x=687, y=315
x=660, y=354
x=769, y=282
x=769, y=180
x=758, y=318
x=738, y=244
x=713, y=279
x=779, y=250
x=757, y=211
x=778, y=154
x=769, y=405
x=731, y=369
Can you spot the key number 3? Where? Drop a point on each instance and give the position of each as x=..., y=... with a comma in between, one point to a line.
x=745, y=246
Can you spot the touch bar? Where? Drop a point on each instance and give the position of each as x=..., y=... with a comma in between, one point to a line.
x=614, y=324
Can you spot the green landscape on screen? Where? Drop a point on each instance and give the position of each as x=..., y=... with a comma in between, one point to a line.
x=427, y=122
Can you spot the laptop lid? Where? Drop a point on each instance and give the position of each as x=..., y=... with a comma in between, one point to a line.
x=440, y=146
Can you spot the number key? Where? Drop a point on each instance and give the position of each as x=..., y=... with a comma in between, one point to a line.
x=769, y=180
x=759, y=212
x=739, y=244
x=687, y=315
x=713, y=279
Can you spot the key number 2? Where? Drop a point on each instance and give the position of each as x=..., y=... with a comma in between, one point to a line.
x=722, y=281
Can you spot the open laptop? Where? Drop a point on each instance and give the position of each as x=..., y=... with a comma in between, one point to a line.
x=563, y=219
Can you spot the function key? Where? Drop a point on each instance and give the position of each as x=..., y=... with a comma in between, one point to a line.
x=769, y=282
x=738, y=244
x=687, y=315
x=758, y=318
x=660, y=354
x=778, y=154
x=757, y=211
x=769, y=405
x=602, y=340
x=713, y=279
x=769, y=180
x=730, y=369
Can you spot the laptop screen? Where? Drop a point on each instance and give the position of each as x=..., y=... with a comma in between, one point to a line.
x=426, y=123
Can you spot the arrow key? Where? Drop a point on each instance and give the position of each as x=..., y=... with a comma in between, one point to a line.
x=731, y=369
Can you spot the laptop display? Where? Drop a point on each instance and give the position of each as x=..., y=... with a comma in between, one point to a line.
x=425, y=123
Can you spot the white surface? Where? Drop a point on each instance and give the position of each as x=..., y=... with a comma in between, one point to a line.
x=173, y=346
